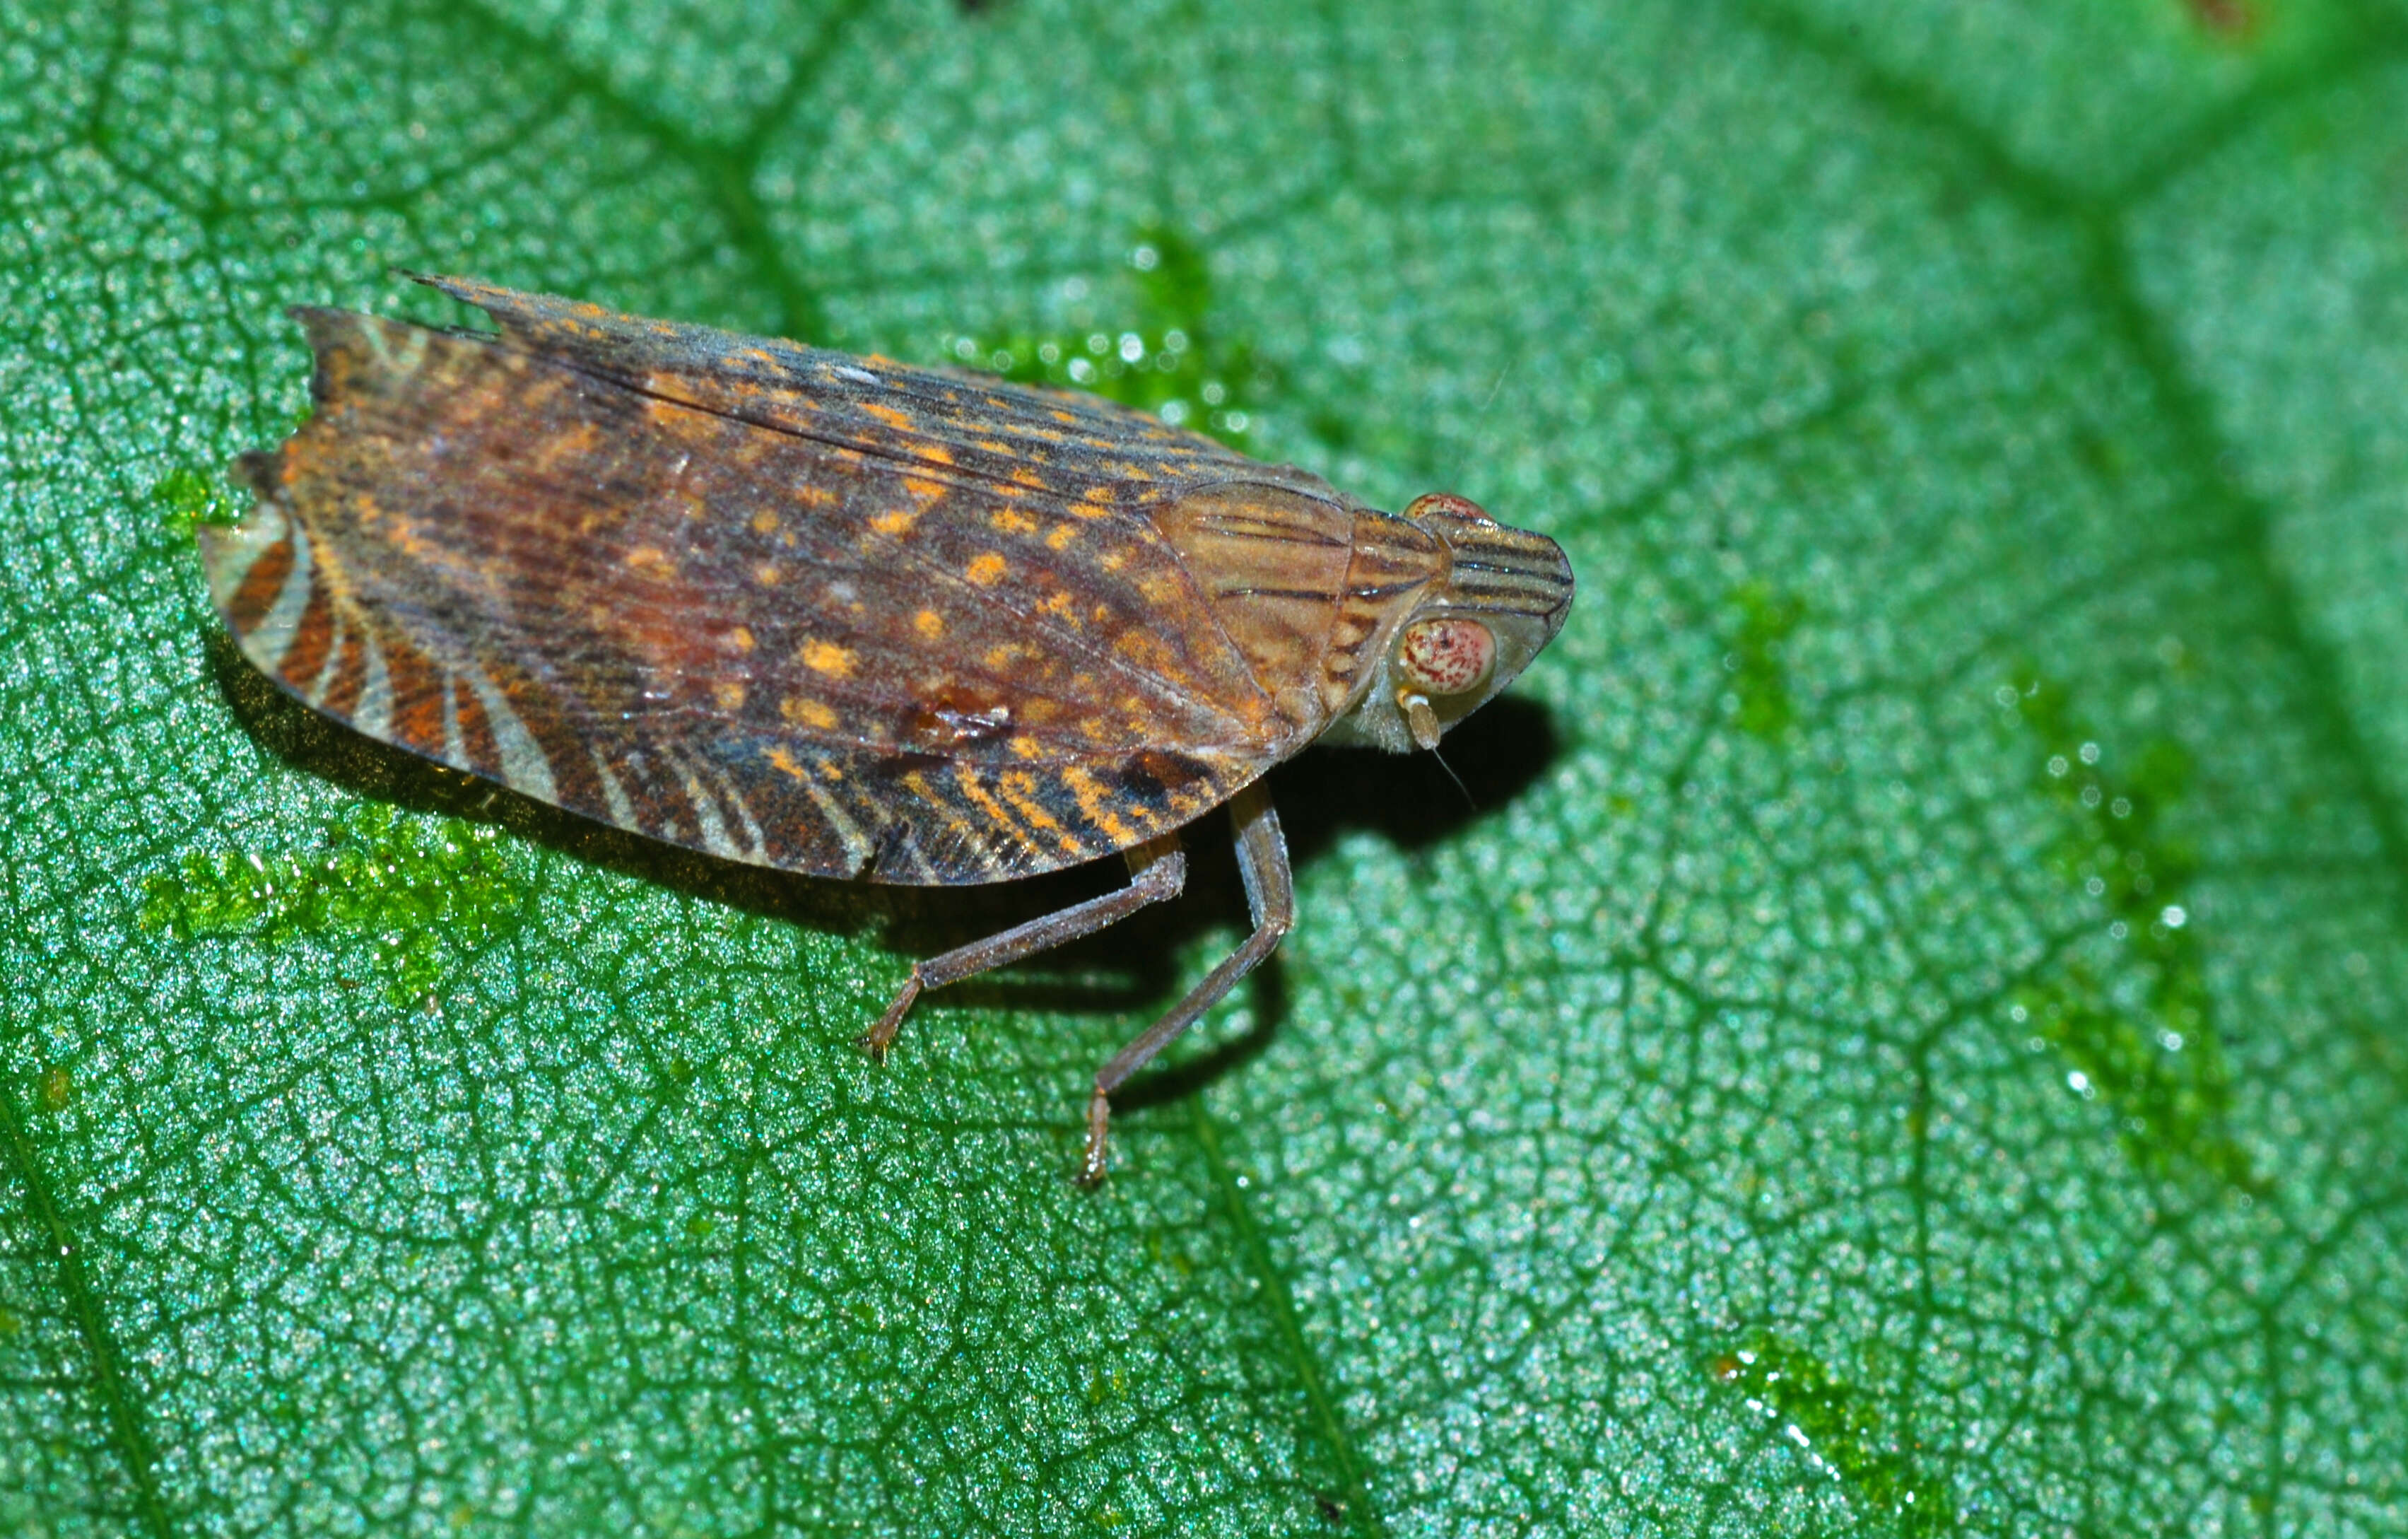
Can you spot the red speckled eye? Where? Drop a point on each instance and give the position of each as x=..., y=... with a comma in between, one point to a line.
x=1447, y=656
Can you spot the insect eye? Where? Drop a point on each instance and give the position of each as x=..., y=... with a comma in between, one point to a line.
x=1447, y=505
x=1447, y=656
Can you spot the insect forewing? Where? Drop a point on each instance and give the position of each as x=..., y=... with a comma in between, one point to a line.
x=796, y=609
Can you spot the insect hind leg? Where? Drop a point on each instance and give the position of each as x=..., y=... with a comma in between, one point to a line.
x=1157, y=872
x=1270, y=896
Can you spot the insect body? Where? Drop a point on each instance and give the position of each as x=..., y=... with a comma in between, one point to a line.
x=836, y=615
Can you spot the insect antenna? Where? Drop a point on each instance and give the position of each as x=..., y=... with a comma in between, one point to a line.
x=1491, y=398
x=1467, y=800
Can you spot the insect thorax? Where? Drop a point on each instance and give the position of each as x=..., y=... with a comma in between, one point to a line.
x=1309, y=586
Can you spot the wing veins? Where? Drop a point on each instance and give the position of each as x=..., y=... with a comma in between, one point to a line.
x=1247, y=591
x=1281, y=534
x=955, y=474
x=1046, y=625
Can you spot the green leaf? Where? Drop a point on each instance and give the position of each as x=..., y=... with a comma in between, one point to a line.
x=1909, y=1040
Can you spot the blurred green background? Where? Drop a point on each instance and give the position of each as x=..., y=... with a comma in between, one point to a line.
x=1908, y=1038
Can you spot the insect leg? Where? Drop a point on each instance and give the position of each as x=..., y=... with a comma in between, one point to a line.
x=1270, y=894
x=1157, y=870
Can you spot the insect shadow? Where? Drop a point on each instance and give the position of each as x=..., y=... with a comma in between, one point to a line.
x=1408, y=798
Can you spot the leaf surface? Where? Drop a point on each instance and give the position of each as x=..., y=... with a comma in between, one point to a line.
x=1909, y=1039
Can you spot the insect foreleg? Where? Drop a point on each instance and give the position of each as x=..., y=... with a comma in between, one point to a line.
x=1157, y=871
x=1270, y=893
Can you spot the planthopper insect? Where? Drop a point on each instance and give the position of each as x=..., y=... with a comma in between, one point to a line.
x=836, y=615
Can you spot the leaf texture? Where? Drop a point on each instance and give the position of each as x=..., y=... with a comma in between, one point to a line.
x=1910, y=1039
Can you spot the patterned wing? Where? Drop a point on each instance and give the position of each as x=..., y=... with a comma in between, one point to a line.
x=955, y=426
x=738, y=615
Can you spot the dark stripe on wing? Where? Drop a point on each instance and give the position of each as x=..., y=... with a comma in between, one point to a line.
x=256, y=593
x=1237, y=527
x=343, y=691
x=1309, y=595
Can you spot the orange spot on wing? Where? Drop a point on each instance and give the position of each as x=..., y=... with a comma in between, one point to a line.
x=930, y=624
x=899, y=421
x=806, y=712
x=1143, y=646
x=573, y=443
x=827, y=657
x=985, y=571
x=784, y=764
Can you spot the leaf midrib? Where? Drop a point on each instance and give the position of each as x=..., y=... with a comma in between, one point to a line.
x=125, y=1427
x=1281, y=1305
